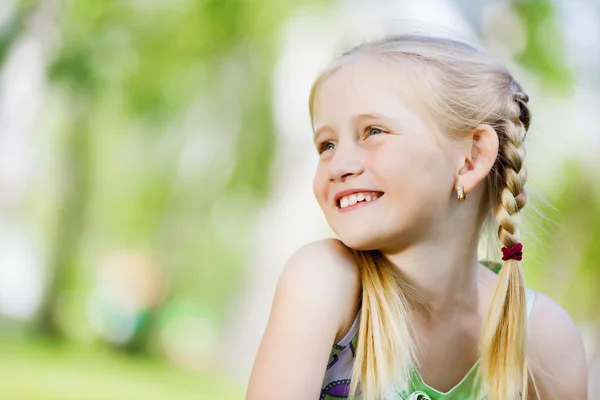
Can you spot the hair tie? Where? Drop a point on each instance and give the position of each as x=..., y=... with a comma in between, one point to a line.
x=514, y=252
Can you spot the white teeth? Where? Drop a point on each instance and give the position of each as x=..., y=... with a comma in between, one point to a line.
x=357, y=197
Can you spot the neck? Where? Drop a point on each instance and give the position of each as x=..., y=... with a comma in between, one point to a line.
x=446, y=273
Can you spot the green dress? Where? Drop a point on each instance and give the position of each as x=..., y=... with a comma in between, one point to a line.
x=336, y=384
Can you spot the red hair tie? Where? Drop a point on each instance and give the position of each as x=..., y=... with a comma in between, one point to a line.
x=514, y=252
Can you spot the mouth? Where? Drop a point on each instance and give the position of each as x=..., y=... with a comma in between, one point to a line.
x=356, y=200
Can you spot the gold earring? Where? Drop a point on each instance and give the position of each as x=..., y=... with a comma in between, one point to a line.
x=460, y=193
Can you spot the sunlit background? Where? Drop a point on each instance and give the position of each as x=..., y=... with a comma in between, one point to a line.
x=155, y=173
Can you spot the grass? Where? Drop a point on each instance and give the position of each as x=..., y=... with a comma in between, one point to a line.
x=37, y=371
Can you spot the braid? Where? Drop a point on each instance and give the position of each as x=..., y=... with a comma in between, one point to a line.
x=504, y=329
x=514, y=174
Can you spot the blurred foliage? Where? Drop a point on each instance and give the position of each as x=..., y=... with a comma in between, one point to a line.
x=43, y=371
x=13, y=29
x=544, y=49
x=131, y=75
x=565, y=232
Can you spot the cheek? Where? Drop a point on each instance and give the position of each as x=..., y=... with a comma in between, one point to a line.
x=320, y=185
x=414, y=167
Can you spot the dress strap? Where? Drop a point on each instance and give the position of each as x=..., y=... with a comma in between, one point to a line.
x=530, y=298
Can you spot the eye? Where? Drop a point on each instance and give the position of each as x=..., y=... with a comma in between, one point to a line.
x=325, y=146
x=373, y=130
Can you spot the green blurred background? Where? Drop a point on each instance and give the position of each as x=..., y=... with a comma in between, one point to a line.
x=155, y=167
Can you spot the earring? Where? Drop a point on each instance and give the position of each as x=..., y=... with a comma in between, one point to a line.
x=460, y=193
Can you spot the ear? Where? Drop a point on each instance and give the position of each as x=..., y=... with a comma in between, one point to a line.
x=477, y=156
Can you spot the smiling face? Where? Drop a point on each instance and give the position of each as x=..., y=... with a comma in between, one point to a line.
x=376, y=140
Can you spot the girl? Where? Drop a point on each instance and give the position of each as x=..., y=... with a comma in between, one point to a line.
x=421, y=144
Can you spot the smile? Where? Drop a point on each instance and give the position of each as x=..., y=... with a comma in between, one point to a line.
x=356, y=200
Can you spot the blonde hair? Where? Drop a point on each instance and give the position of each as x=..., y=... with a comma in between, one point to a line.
x=466, y=87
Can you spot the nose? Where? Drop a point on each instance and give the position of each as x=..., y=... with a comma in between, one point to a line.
x=346, y=162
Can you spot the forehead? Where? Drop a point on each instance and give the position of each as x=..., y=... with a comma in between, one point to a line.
x=368, y=86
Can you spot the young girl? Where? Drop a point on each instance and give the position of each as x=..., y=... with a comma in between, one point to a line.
x=421, y=144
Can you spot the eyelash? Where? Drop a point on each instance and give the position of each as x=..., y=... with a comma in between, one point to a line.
x=322, y=146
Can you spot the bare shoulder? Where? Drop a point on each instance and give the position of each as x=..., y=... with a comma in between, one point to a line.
x=327, y=259
x=330, y=255
x=326, y=271
x=558, y=358
x=316, y=294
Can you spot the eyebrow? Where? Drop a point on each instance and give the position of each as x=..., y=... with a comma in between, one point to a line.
x=355, y=119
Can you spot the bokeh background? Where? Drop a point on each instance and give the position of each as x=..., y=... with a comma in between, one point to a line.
x=156, y=165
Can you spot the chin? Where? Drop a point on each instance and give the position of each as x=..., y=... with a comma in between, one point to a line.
x=359, y=235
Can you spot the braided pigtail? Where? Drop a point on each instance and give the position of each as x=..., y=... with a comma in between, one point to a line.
x=504, y=330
